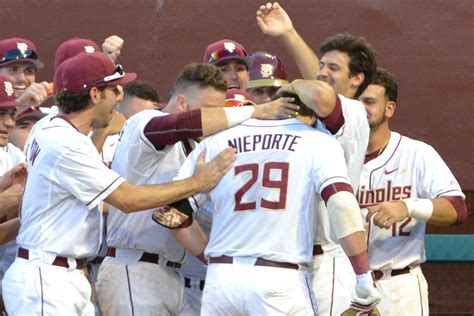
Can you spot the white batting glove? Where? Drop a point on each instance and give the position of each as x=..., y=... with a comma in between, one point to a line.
x=367, y=295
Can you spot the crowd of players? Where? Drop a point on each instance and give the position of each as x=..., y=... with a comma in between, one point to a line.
x=114, y=205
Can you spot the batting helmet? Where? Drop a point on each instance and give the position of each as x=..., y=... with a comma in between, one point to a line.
x=237, y=97
x=266, y=71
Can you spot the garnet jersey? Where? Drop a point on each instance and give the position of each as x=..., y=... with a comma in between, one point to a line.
x=407, y=168
x=265, y=205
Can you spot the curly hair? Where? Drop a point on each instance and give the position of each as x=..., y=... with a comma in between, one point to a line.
x=387, y=80
x=74, y=102
x=361, y=54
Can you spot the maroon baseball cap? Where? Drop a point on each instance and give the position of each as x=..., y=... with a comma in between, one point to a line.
x=30, y=114
x=237, y=97
x=84, y=71
x=267, y=71
x=17, y=49
x=72, y=47
x=224, y=50
x=7, y=94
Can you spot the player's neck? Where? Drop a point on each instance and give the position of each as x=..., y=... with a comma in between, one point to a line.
x=379, y=139
x=80, y=120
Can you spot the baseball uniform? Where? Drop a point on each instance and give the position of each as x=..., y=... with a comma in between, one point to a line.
x=332, y=274
x=10, y=156
x=407, y=168
x=60, y=223
x=139, y=275
x=263, y=221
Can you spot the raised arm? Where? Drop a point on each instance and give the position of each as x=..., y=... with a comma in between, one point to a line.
x=275, y=22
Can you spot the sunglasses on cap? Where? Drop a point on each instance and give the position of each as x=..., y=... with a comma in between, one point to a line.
x=17, y=54
x=119, y=73
x=219, y=54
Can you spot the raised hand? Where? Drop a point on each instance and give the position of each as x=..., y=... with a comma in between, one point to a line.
x=209, y=174
x=273, y=20
x=112, y=46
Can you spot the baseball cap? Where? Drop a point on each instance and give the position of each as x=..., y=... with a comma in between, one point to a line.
x=84, y=71
x=17, y=49
x=30, y=114
x=224, y=50
x=237, y=97
x=267, y=70
x=72, y=47
x=7, y=94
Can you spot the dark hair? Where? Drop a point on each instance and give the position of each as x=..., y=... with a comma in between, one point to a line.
x=387, y=80
x=74, y=102
x=361, y=54
x=142, y=90
x=202, y=76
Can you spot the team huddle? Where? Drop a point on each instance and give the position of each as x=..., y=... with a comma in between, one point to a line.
x=247, y=193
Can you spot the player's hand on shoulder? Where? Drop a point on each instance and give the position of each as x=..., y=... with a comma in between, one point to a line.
x=15, y=175
x=387, y=213
x=208, y=175
x=273, y=20
x=112, y=46
x=281, y=108
x=35, y=94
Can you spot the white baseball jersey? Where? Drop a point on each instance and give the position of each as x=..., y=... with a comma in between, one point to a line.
x=353, y=136
x=137, y=160
x=10, y=156
x=264, y=206
x=67, y=181
x=39, y=126
x=407, y=168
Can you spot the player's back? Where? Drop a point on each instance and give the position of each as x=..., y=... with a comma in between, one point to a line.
x=264, y=206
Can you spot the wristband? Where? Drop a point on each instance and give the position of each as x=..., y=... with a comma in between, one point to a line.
x=237, y=115
x=421, y=209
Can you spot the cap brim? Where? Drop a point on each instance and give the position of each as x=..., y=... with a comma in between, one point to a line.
x=36, y=62
x=9, y=105
x=246, y=60
x=129, y=76
x=30, y=117
x=266, y=83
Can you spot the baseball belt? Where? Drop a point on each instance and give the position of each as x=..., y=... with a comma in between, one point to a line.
x=187, y=283
x=378, y=274
x=58, y=261
x=147, y=257
x=317, y=250
x=259, y=262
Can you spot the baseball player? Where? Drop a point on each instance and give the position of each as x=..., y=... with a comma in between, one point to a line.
x=11, y=165
x=18, y=62
x=404, y=185
x=67, y=182
x=266, y=75
x=231, y=58
x=263, y=218
x=347, y=63
x=66, y=50
x=139, y=272
x=24, y=122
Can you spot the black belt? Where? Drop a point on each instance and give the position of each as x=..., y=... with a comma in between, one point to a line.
x=58, y=261
x=259, y=262
x=317, y=250
x=187, y=283
x=148, y=257
x=379, y=274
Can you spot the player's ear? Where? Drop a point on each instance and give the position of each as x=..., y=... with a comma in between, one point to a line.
x=95, y=95
x=181, y=103
x=356, y=80
x=390, y=109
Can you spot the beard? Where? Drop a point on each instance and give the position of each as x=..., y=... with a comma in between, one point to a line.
x=375, y=124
